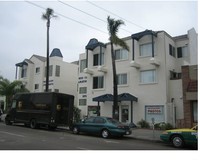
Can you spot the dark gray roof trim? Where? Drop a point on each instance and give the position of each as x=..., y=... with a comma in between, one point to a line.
x=138, y=36
x=121, y=97
x=56, y=53
x=93, y=43
x=127, y=97
x=21, y=64
x=103, y=98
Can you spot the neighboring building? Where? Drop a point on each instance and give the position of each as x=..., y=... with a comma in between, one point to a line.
x=62, y=75
x=149, y=77
x=190, y=95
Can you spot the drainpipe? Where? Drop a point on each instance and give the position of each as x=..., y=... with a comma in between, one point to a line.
x=100, y=55
x=133, y=49
x=152, y=38
x=87, y=58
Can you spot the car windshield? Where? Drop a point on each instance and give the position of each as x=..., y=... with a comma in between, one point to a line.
x=113, y=121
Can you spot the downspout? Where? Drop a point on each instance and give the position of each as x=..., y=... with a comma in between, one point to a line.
x=100, y=55
x=87, y=58
x=152, y=38
x=133, y=49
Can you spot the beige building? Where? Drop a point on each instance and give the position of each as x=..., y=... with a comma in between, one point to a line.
x=149, y=77
x=62, y=75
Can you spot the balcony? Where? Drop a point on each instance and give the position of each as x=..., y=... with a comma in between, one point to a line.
x=154, y=61
x=135, y=64
x=88, y=71
x=102, y=69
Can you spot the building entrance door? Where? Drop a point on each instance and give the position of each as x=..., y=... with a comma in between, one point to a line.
x=125, y=114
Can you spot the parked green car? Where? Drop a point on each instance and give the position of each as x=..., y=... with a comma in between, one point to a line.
x=103, y=126
x=181, y=137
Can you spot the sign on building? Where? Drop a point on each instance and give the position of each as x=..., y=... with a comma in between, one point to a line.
x=156, y=112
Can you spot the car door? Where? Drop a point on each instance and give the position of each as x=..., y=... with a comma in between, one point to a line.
x=99, y=124
x=87, y=125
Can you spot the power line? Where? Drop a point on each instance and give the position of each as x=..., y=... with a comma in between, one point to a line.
x=114, y=14
x=68, y=17
x=64, y=3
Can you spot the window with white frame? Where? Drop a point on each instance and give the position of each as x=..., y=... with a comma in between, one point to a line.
x=82, y=102
x=82, y=65
x=148, y=76
x=146, y=50
x=36, y=86
x=172, y=50
x=122, y=79
x=98, y=59
x=182, y=52
x=98, y=82
x=82, y=90
x=50, y=70
x=57, y=74
x=121, y=54
x=37, y=70
x=24, y=71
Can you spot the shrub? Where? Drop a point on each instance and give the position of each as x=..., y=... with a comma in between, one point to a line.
x=143, y=124
x=163, y=126
x=76, y=114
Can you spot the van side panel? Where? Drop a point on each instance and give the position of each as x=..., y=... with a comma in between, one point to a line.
x=50, y=108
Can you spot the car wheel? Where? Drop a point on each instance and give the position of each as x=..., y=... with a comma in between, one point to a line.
x=105, y=133
x=177, y=141
x=75, y=130
x=7, y=121
x=33, y=124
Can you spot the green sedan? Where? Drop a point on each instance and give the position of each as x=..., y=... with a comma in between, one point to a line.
x=181, y=137
x=103, y=126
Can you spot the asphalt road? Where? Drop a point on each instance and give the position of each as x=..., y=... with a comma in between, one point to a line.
x=19, y=137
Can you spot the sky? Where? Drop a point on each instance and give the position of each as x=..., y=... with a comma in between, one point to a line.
x=23, y=31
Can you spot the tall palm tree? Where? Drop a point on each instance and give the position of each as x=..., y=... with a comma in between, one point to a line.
x=47, y=16
x=113, y=28
x=8, y=89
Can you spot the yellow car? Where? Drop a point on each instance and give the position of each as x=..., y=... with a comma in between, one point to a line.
x=181, y=137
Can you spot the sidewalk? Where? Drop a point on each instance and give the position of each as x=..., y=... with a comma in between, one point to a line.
x=146, y=134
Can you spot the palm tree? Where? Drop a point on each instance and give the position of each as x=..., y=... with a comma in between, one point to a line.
x=47, y=16
x=8, y=89
x=113, y=27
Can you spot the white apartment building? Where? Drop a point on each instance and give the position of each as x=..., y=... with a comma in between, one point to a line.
x=149, y=77
x=62, y=75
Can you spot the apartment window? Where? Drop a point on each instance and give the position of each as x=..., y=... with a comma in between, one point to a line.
x=57, y=74
x=82, y=102
x=148, y=76
x=122, y=79
x=37, y=70
x=82, y=65
x=195, y=111
x=24, y=72
x=146, y=50
x=98, y=59
x=172, y=50
x=50, y=70
x=98, y=82
x=36, y=86
x=121, y=54
x=175, y=75
x=182, y=52
x=82, y=90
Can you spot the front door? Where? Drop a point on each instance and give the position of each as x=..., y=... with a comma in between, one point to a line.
x=125, y=114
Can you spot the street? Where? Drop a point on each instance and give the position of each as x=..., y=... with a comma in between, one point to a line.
x=19, y=137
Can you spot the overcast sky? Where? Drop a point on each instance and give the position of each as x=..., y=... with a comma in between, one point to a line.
x=23, y=32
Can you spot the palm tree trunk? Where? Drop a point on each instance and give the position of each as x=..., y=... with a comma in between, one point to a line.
x=115, y=89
